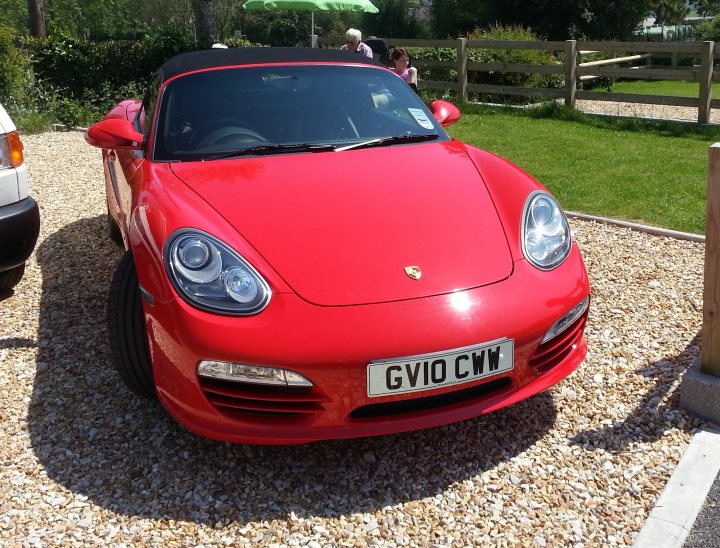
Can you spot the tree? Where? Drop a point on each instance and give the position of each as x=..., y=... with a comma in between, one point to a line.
x=277, y=27
x=159, y=15
x=551, y=19
x=453, y=18
x=613, y=20
x=14, y=14
x=563, y=19
x=395, y=19
x=225, y=12
x=669, y=12
x=36, y=18
x=707, y=7
x=335, y=23
x=205, y=27
x=708, y=29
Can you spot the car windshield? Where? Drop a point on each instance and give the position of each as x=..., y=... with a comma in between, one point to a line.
x=281, y=109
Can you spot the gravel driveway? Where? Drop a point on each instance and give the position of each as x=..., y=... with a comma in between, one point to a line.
x=85, y=462
x=639, y=110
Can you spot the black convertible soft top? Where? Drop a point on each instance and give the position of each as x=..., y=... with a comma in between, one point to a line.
x=220, y=57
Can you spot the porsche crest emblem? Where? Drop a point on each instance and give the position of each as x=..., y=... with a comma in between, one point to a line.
x=413, y=272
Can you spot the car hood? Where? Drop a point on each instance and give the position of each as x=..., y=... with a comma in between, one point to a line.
x=341, y=227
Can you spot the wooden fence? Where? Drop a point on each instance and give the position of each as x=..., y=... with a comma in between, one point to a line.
x=700, y=69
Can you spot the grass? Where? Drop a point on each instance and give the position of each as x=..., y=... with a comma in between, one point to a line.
x=30, y=121
x=644, y=171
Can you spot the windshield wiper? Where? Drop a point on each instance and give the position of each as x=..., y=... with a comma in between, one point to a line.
x=273, y=149
x=385, y=141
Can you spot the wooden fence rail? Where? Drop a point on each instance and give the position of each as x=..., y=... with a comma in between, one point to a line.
x=575, y=71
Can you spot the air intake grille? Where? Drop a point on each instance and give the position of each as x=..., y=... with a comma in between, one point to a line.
x=242, y=400
x=551, y=353
x=430, y=402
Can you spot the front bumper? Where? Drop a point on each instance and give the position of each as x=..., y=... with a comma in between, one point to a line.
x=19, y=229
x=332, y=346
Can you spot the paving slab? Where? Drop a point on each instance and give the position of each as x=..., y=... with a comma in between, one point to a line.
x=674, y=514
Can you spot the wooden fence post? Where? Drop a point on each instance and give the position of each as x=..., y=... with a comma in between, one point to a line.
x=674, y=59
x=570, y=72
x=710, y=358
x=462, y=74
x=705, y=78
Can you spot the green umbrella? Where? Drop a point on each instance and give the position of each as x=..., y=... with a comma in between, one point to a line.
x=312, y=6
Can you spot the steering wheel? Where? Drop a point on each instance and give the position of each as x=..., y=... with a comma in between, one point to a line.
x=233, y=134
x=226, y=132
x=325, y=125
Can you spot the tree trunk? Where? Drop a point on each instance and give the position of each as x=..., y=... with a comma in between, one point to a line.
x=36, y=16
x=205, y=25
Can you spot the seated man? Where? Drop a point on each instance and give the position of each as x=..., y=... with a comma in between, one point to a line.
x=353, y=42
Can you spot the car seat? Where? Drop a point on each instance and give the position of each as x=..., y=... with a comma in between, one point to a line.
x=380, y=50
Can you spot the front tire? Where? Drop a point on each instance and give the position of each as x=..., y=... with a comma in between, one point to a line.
x=10, y=278
x=127, y=334
x=114, y=230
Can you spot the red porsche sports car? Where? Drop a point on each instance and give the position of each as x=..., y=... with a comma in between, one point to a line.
x=309, y=256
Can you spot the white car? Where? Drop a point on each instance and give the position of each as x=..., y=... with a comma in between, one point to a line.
x=19, y=214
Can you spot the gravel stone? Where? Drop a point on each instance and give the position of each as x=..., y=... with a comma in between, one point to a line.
x=84, y=462
x=659, y=112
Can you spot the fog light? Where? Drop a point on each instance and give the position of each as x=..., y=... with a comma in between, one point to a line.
x=567, y=320
x=255, y=374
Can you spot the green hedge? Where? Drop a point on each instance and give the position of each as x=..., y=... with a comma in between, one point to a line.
x=14, y=66
x=510, y=56
x=435, y=54
x=708, y=30
x=78, y=65
x=75, y=81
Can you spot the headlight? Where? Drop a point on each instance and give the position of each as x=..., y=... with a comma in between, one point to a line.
x=211, y=276
x=546, y=238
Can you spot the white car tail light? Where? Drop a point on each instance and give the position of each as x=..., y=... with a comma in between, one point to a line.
x=11, y=150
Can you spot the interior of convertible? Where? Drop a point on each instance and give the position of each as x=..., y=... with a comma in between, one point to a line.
x=230, y=109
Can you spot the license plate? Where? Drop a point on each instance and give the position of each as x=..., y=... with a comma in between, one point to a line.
x=430, y=371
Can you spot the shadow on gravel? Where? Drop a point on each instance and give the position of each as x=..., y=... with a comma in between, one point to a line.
x=650, y=419
x=125, y=454
x=4, y=295
x=17, y=342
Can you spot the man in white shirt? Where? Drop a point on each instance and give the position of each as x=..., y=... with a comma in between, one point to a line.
x=353, y=42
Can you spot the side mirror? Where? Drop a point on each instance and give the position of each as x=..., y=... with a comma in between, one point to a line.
x=114, y=133
x=445, y=113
